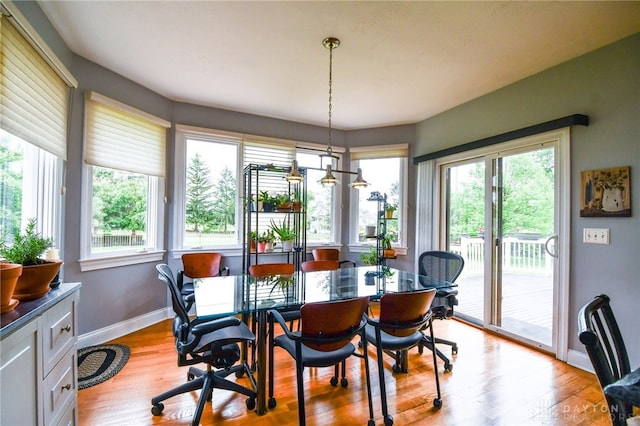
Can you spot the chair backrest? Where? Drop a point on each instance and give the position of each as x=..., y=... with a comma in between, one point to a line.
x=337, y=321
x=165, y=274
x=441, y=265
x=326, y=254
x=405, y=311
x=319, y=265
x=267, y=269
x=201, y=265
x=598, y=331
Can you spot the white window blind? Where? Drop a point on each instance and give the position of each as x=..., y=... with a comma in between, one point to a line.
x=382, y=151
x=33, y=97
x=123, y=138
x=256, y=152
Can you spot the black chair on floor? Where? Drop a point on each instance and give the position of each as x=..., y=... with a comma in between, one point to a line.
x=399, y=327
x=324, y=341
x=214, y=343
x=445, y=266
x=598, y=330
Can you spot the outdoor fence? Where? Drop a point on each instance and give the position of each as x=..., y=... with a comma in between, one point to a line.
x=118, y=240
x=518, y=255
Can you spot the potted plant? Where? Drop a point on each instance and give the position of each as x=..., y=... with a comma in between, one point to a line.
x=253, y=237
x=9, y=274
x=283, y=202
x=388, y=252
x=389, y=209
x=37, y=273
x=285, y=234
x=296, y=204
x=265, y=202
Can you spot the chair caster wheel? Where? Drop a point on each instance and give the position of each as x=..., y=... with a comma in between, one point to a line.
x=239, y=373
x=388, y=420
x=371, y=423
x=420, y=349
x=396, y=368
x=272, y=403
x=344, y=382
x=156, y=410
x=454, y=350
x=190, y=377
x=437, y=403
x=334, y=381
x=251, y=403
x=448, y=368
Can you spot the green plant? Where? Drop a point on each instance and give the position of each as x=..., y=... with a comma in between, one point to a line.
x=386, y=241
x=264, y=197
x=267, y=236
x=26, y=249
x=370, y=257
x=283, y=230
x=282, y=199
x=391, y=207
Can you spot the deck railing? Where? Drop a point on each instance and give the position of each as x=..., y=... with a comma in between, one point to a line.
x=118, y=240
x=519, y=255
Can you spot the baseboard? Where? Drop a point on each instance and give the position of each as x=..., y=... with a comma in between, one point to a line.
x=120, y=329
x=579, y=360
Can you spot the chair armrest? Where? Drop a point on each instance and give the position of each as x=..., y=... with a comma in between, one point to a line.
x=351, y=262
x=188, y=301
x=180, y=279
x=275, y=315
x=213, y=325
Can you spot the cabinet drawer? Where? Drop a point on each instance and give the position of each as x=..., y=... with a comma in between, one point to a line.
x=60, y=388
x=69, y=417
x=58, y=332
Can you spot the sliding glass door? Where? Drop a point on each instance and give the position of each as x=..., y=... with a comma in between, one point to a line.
x=499, y=211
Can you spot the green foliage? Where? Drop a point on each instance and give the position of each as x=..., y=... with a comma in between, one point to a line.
x=370, y=257
x=199, y=203
x=10, y=188
x=26, y=249
x=224, y=201
x=283, y=230
x=391, y=207
x=119, y=200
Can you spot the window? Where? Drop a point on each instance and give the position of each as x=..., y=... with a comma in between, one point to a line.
x=123, y=184
x=385, y=168
x=207, y=190
x=33, y=130
x=208, y=187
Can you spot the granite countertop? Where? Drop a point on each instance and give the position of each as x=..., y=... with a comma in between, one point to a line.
x=29, y=309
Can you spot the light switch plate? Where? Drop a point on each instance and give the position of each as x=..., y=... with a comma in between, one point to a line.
x=595, y=236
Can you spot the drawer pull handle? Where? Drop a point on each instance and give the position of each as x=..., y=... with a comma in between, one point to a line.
x=66, y=387
x=67, y=328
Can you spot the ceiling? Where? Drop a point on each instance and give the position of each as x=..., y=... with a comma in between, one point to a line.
x=398, y=62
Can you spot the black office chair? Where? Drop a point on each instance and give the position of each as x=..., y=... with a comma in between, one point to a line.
x=598, y=330
x=399, y=327
x=214, y=343
x=324, y=341
x=445, y=266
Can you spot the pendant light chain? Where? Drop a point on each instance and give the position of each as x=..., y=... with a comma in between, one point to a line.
x=331, y=47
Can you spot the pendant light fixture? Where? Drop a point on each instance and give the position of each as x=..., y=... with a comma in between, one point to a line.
x=294, y=175
x=329, y=178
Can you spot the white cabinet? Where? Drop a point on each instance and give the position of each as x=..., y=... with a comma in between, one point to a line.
x=38, y=370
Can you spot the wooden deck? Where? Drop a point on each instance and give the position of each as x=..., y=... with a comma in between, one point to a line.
x=527, y=303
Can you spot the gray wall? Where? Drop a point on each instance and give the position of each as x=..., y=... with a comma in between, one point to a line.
x=605, y=85
x=602, y=84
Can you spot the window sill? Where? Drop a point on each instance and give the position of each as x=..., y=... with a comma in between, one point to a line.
x=362, y=248
x=115, y=260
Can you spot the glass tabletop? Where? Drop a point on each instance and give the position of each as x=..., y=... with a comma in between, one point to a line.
x=238, y=294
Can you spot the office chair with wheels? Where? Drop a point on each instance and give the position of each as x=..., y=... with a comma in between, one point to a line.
x=324, y=341
x=598, y=330
x=445, y=266
x=214, y=343
x=331, y=254
x=199, y=265
x=398, y=328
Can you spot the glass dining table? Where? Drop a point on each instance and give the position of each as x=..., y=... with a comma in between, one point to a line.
x=249, y=296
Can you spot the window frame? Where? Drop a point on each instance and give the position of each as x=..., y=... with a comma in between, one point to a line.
x=184, y=132
x=379, y=152
x=155, y=220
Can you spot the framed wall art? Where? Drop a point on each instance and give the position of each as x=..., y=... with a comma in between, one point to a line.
x=605, y=192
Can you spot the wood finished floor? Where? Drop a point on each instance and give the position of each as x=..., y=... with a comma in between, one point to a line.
x=493, y=382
